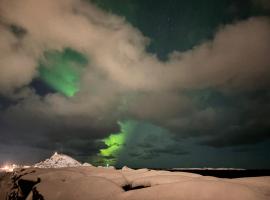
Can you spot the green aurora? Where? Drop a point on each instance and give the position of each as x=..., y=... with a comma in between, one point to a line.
x=62, y=70
x=115, y=143
x=136, y=141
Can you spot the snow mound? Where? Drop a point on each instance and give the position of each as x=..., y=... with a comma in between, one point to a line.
x=58, y=161
x=87, y=165
x=125, y=168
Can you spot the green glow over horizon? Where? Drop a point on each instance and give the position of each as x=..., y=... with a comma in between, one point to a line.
x=115, y=143
x=62, y=70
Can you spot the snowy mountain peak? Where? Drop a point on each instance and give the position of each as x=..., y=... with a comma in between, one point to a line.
x=58, y=161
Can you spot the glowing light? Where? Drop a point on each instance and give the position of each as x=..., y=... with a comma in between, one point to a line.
x=115, y=143
x=8, y=168
x=62, y=70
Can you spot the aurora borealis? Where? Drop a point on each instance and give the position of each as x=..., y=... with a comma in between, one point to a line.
x=141, y=83
x=114, y=143
x=62, y=70
x=133, y=143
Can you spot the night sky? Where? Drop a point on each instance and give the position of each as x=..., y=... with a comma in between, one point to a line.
x=142, y=83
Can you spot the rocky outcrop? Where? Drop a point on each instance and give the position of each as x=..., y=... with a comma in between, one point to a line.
x=58, y=161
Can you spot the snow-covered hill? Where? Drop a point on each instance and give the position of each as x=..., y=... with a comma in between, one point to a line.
x=58, y=161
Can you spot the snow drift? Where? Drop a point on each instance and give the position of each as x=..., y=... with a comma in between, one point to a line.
x=63, y=178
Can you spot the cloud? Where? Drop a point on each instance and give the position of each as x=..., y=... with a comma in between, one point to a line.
x=17, y=67
x=122, y=80
x=158, y=106
x=250, y=124
x=148, y=142
x=235, y=58
x=263, y=3
x=109, y=41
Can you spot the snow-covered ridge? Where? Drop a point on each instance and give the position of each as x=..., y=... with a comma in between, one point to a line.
x=207, y=168
x=58, y=161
